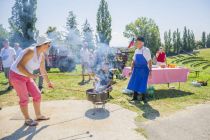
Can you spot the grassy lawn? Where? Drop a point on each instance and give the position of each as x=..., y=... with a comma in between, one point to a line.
x=164, y=102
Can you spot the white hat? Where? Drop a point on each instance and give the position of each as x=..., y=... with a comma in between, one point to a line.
x=42, y=40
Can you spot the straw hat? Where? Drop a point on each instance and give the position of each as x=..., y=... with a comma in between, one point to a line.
x=42, y=40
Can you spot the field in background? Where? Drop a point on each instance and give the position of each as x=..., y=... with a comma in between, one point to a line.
x=164, y=102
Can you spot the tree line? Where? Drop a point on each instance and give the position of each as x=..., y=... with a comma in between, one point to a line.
x=23, y=20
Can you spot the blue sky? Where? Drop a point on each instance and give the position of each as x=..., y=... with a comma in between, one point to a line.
x=168, y=14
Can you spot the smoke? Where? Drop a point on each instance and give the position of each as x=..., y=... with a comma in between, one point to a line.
x=99, y=60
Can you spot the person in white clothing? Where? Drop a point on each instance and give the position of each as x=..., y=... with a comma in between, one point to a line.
x=21, y=76
x=85, y=59
x=8, y=56
x=18, y=49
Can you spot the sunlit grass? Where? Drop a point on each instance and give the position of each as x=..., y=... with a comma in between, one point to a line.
x=164, y=102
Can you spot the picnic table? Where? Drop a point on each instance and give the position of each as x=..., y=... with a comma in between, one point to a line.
x=164, y=75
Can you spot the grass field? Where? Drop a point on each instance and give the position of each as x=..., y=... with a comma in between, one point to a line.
x=164, y=102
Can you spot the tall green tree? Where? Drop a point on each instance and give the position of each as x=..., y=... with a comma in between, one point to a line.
x=73, y=37
x=71, y=23
x=208, y=41
x=168, y=41
x=88, y=34
x=184, y=38
x=192, y=42
x=22, y=22
x=147, y=28
x=203, y=39
x=188, y=41
x=174, y=42
x=179, y=41
x=104, y=20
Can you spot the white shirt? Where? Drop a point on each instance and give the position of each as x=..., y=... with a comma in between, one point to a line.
x=145, y=51
x=18, y=50
x=32, y=64
x=8, y=56
x=85, y=55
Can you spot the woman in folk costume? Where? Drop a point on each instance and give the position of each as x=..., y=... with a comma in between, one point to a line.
x=141, y=69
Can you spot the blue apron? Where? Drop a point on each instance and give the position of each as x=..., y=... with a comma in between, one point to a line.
x=139, y=77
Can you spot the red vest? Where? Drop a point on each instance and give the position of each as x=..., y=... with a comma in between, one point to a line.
x=161, y=57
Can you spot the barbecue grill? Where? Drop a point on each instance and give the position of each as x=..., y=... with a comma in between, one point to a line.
x=98, y=97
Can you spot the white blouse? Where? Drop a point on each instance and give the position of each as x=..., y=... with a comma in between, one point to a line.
x=32, y=64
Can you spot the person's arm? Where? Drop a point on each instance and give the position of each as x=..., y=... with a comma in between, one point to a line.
x=157, y=54
x=132, y=65
x=21, y=65
x=13, y=54
x=133, y=62
x=150, y=65
x=149, y=58
x=165, y=59
x=44, y=72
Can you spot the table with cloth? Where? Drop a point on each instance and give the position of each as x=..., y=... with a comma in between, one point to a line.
x=164, y=75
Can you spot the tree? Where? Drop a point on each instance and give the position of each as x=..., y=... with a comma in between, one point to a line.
x=71, y=21
x=147, y=28
x=104, y=23
x=88, y=34
x=4, y=34
x=179, y=41
x=51, y=29
x=22, y=22
x=168, y=41
x=174, y=42
x=55, y=36
x=198, y=44
x=73, y=38
x=203, y=39
x=185, y=45
x=208, y=41
x=192, y=41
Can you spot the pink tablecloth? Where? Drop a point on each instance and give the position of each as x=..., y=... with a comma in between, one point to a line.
x=164, y=75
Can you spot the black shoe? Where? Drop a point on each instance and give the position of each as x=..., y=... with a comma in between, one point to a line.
x=9, y=88
x=82, y=83
x=144, y=98
x=40, y=88
x=133, y=101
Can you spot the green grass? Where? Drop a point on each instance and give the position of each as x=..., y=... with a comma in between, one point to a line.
x=164, y=102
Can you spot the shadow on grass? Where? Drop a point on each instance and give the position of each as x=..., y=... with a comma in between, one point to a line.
x=2, y=92
x=169, y=93
x=23, y=131
x=148, y=111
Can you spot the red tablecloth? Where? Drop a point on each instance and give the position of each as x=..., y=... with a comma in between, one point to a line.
x=164, y=75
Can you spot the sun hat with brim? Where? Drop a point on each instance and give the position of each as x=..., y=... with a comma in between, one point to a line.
x=42, y=40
